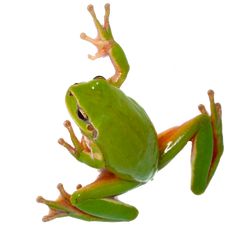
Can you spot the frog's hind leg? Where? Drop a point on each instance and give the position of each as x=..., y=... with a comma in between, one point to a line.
x=205, y=132
x=99, y=198
x=94, y=202
x=62, y=207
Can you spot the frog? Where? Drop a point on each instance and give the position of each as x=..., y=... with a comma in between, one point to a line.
x=120, y=141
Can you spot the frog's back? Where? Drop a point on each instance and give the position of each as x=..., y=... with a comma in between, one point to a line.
x=127, y=138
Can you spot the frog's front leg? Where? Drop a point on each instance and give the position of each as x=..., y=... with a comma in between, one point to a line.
x=83, y=151
x=94, y=202
x=205, y=132
x=107, y=46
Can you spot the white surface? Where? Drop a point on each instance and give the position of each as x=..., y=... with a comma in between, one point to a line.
x=177, y=51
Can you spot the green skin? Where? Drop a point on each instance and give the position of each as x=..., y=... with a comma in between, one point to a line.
x=120, y=140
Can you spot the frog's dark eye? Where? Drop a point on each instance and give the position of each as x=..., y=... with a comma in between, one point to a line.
x=99, y=77
x=81, y=114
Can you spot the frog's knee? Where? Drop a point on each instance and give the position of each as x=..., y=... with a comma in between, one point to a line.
x=75, y=198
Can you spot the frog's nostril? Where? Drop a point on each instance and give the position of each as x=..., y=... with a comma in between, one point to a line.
x=70, y=94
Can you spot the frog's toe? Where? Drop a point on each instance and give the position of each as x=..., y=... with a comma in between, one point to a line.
x=63, y=193
x=216, y=111
x=89, y=39
x=62, y=207
x=216, y=122
x=202, y=109
x=91, y=10
x=54, y=211
x=59, y=208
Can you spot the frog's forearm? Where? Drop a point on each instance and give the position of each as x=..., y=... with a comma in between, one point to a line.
x=120, y=64
x=90, y=160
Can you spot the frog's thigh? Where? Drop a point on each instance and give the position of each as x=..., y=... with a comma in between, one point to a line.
x=97, y=199
x=199, y=131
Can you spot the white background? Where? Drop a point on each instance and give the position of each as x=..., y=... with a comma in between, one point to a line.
x=177, y=51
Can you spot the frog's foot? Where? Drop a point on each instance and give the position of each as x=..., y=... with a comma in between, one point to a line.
x=62, y=207
x=76, y=150
x=84, y=151
x=104, y=39
x=59, y=208
x=106, y=46
x=79, y=146
x=216, y=121
x=102, y=46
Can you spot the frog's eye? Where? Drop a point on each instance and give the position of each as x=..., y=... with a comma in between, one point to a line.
x=99, y=77
x=82, y=115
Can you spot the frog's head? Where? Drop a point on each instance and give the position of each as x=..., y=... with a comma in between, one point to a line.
x=86, y=103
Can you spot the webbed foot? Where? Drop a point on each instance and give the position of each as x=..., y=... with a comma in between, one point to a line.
x=104, y=39
x=62, y=207
x=216, y=121
x=106, y=46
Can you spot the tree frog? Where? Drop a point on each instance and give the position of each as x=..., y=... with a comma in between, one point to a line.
x=119, y=139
